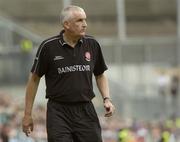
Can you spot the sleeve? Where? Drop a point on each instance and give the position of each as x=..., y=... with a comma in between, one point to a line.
x=100, y=65
x=40, y=64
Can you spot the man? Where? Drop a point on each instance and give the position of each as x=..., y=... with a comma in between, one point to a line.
x=68, y=62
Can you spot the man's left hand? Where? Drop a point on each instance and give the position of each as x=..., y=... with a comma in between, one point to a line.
x=109, y=107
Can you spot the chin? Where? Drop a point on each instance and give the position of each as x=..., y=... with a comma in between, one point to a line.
x=83, y=34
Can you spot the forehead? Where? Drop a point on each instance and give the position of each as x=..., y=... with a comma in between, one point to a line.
x=78, y=14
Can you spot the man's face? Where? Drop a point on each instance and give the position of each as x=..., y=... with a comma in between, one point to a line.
x=76, y=25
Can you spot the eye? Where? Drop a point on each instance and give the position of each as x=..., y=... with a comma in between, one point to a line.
x=80, y=20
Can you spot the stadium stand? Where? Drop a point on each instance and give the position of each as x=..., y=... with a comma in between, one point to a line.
x=134, y=64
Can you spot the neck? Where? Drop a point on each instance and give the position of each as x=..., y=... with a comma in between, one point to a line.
x=71, y=40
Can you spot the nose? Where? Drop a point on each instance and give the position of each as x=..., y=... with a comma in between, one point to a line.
x=84, y=23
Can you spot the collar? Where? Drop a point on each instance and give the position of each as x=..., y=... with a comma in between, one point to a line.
x=62, y=42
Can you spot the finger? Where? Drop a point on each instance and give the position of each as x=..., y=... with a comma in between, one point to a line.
x=110, y=109
x=25, y=129
x=28, y=132
x=108, y=114
x=31, y=127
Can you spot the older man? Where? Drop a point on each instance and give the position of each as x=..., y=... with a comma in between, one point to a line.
x=68, y=62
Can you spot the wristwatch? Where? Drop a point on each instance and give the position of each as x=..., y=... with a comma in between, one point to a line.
x=106, y=98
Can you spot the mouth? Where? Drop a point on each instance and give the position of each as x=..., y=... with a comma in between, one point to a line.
x=83, y=31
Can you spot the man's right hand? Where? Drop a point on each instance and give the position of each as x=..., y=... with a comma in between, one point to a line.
x=27, y=125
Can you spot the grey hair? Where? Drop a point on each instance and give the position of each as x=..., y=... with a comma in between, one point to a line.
x=66, y=13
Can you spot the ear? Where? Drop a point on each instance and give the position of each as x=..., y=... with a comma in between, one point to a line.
x=66, y=24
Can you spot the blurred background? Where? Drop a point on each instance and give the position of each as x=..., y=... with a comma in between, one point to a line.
x=140, y=41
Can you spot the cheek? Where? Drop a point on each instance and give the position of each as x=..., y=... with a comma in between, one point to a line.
x=74, y=27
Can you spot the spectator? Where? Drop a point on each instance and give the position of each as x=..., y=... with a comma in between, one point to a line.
x=174, y=91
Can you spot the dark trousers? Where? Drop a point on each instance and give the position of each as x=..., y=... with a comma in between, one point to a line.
x=72, y=122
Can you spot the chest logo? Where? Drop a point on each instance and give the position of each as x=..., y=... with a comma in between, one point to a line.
x=58, y=58
x=87, y=56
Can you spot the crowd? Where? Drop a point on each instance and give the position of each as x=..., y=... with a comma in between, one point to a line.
x=131, y=130
x=114, y=129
